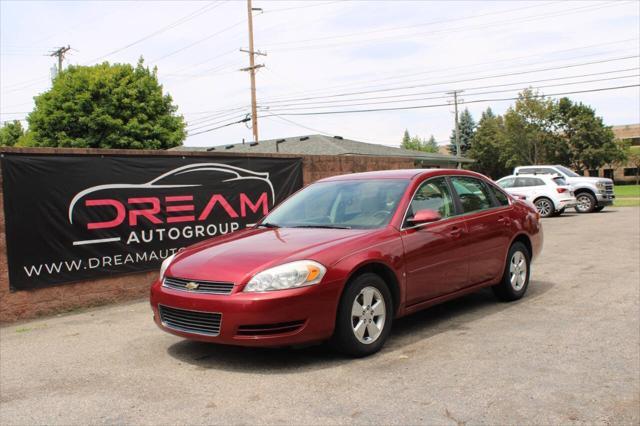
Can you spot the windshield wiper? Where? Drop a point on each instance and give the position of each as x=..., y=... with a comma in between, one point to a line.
x=268, y=225
x=323, y=226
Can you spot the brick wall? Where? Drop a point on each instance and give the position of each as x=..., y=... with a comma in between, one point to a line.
x=28, y=304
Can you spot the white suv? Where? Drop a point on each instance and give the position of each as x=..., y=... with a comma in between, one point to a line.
x=549, y=194
x=592, y=193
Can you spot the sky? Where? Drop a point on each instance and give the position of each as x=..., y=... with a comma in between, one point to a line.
x=327, y=61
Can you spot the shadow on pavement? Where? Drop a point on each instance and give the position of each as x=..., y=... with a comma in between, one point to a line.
x=452, y=315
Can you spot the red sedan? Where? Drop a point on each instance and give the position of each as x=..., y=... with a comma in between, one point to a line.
x=345, y=256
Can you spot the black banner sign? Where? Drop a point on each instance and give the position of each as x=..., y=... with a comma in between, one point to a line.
x=71, y=218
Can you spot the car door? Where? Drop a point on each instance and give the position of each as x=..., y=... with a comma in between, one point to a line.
x=435, y=253
x=485, y=222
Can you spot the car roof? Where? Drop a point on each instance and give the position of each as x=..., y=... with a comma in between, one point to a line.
x=534, y=175
x=407, y=174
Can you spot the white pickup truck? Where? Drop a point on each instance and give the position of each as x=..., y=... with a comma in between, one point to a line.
x=592, y=193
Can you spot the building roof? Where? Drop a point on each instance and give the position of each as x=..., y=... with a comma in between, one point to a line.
x=626, y=131
x=327, y=145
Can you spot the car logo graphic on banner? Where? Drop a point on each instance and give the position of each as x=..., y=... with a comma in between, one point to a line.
x=97, y=196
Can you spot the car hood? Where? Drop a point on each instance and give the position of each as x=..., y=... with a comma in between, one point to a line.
x=236, y=257
x=587, y=179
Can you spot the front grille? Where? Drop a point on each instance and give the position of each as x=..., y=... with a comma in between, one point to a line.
x=208, y=287
x=267, y=329
x=609, y=188
x=207, y=323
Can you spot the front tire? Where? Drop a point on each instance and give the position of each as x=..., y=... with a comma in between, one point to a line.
x=515, y=278
x=545, y=207
x=364, y=316
x=586, y=202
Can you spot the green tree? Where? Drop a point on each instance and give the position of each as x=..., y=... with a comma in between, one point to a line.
x=430, y=145
x=10, y=133
x=415, y=143
x=589, y=144
x=530, y=130
x=467, y=128
x=106, y=106
x=406, y=139
x=489, y=146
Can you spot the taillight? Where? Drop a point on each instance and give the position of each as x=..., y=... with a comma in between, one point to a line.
x=561, y=190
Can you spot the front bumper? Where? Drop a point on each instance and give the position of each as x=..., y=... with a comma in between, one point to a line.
x=605, y=199
x=255, y=319
x=567, y=203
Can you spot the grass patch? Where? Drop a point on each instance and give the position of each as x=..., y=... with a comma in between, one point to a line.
x=622, y=202
x=623, y=191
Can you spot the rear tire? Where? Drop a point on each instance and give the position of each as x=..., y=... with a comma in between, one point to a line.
x=544, y=206
x=364, y=316
x=586, y=202
x=515, y=278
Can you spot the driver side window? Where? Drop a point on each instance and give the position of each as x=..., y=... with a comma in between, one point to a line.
x=434, y=194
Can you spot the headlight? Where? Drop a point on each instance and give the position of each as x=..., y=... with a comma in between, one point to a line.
x=290, y=275
x=165, y=265
x=602, y=186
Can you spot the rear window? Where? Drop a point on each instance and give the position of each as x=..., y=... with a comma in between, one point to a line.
x=526, y=171
x=560, y=181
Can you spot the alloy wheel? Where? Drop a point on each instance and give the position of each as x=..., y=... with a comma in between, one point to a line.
x=518, y=270
x=584, y=203
x=368, y=314
x=544, y=207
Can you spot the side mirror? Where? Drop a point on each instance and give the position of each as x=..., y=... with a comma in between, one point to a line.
x=424, y=216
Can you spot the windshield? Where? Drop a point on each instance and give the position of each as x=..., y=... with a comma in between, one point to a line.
x=348, y=204
x=567, y=172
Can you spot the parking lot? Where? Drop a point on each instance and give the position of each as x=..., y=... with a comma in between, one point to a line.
x=567, y=353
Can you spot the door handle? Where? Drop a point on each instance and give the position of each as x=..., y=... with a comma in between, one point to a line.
x=455, y=232
x=504, y=220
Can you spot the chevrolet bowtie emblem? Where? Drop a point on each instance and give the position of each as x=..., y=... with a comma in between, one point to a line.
x=192, y=286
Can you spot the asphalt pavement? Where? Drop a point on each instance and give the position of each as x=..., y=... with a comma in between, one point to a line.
x=568, y=353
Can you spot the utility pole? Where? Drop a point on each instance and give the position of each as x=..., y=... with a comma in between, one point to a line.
x=457, y=123
x=60, y=54
x=252, y=71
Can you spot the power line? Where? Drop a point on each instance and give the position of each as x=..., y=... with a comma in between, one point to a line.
x=448, y=31
x=446, y=104
x=289, y=98
x=284, y=9
x=459, y=81
x=207, y=8
x=422, y=106
x=466, y=67
x=244, y=120
x=218, y=121
x=404, y=27
x=519, y=84
x=195, y=43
